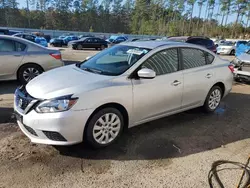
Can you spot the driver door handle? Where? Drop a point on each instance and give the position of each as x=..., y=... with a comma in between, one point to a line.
x=176, y=83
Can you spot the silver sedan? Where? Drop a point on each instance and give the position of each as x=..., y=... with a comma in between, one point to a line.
x=120, y=87
x=23, y=60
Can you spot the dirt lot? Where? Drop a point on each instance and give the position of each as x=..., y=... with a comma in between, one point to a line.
x=176, y=151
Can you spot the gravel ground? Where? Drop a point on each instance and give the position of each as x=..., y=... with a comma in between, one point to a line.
x=176, y=151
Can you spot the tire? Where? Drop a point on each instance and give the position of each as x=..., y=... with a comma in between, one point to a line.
x=232, y=52
x=79, y=47
x=103, y=130
x=102, y=47
x=215, y=91
x=28, y=72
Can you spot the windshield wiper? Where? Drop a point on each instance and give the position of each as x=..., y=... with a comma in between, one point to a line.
x=92, y=70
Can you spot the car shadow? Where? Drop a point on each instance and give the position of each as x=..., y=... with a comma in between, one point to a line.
x=178, y=135
x=8, y=87
x=6, y=115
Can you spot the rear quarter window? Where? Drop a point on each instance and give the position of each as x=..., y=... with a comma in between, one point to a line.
x=209, y=58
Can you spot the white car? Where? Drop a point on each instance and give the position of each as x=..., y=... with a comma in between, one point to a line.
x=120, y=87
x=242, y=67
x=227, y=48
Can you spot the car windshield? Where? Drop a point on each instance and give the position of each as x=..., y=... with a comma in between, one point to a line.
x=115, y=60
x=228, y=43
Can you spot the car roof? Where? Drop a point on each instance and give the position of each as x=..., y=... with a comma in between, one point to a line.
x=154, y=44
x=185, y=38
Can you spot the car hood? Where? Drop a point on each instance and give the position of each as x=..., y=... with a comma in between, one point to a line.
x=65, y=81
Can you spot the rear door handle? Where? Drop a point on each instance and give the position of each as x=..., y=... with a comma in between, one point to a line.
x=17, y=55
x=208, y=75
x=176, y=83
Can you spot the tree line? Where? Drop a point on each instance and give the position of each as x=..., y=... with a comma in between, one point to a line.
x=152, y=17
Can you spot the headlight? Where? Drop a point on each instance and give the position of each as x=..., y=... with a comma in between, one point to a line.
x=56, y=105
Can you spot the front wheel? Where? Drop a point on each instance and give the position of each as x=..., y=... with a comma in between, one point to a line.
x=104, y=127
x=213, y=99
x=28, y=72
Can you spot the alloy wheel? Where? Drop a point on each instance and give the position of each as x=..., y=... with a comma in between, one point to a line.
x=30, y=73
x=214, y=99
x=106, y=128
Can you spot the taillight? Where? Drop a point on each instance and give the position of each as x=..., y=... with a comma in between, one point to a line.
x=231, y=67
x=56, y=55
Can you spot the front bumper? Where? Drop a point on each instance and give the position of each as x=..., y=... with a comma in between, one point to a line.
x=61, y=128
x=67, y=127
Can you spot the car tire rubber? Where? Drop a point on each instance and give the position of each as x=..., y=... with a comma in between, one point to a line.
x=24, y=68
x=206, y=106
x=232, y=52
x=89, y=132
x=102, y=47
x=79, y=47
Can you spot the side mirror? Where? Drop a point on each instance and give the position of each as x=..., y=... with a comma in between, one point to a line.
x=146, y=73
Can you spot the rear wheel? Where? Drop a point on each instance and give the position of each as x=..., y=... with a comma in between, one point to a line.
x=104, y=127
x=102, y=47
x=213, y=99
x=79, y=47
x=28, y=72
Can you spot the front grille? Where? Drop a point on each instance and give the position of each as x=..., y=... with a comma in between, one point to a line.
x=30, y=130
x=22, y=102
x=54, y=136
x=23, y=99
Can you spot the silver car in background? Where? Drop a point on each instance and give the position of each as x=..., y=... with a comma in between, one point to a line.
x=120, y=87
x=23, y=60
x=226, y=48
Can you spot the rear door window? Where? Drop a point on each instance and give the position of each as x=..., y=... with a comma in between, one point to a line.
x=209, y=58
x=193, y=58
x=89, y=40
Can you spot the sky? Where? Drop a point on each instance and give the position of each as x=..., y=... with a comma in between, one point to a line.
x=231, y=18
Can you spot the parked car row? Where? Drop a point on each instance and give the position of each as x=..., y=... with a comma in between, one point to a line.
x=232, y=47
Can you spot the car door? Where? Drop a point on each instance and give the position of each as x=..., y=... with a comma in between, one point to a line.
x=89, y=43
x=198, y=74
x=11, y=53
x=163, y=94
x=97, y=43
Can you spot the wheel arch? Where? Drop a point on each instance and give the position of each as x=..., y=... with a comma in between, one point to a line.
x=25, y=64
x=221, y=85
x=115, y=105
